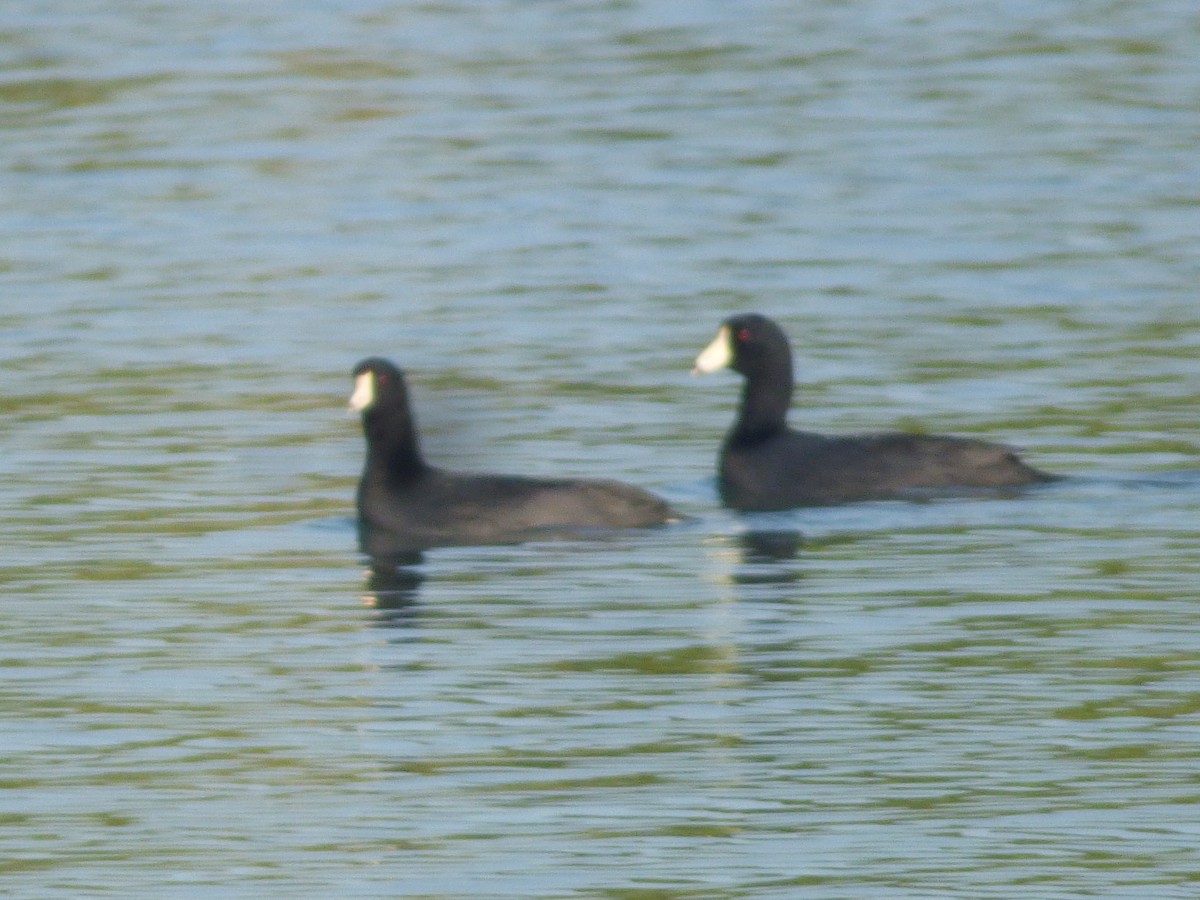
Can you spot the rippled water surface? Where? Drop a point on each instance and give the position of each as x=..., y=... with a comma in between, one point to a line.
x=970, y=218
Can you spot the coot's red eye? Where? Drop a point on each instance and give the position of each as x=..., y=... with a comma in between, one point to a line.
x=743, y=335
x=382, y=379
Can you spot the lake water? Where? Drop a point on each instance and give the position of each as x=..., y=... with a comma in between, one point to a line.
x=973, y=218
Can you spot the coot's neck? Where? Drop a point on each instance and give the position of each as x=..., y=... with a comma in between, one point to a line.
x=766, y=396
x=392, y=449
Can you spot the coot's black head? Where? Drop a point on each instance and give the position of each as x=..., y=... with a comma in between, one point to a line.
x=382, y=397
x=378, y=384
x=757, y=348
x=750, y=344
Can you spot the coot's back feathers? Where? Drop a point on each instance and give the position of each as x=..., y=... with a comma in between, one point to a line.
x=765, y=465
x=423, y=506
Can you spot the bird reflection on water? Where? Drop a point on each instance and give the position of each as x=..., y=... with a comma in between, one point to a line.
x=766, y=557
x=393, y=587
x=394, y=575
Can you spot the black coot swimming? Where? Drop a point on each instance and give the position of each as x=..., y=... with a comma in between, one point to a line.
x=765, y=465
x=416, y=505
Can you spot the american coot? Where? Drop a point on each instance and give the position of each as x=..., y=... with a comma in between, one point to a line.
x=766, y=465
x=419, y=506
